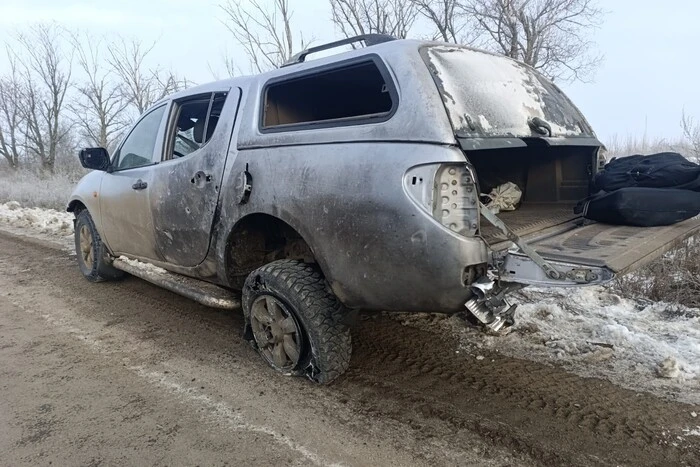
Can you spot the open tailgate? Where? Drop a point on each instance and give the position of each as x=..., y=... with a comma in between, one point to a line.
x=592, y=253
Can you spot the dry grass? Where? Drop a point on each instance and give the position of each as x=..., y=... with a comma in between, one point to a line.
x=33, y=188
x=674, y=278
x=630, y=145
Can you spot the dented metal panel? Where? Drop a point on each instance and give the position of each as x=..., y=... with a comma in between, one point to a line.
x=185, y=192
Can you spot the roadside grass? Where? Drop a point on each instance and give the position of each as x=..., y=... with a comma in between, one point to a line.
x=31, y=187
x=673, y=278
x=630, y=145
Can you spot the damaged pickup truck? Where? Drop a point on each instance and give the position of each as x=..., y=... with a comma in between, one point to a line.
x=350, y=182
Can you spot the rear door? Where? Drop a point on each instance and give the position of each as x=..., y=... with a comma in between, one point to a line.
x=591, y=253
x=186, y=185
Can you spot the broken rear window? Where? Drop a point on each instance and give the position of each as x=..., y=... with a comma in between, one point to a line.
x=349, y=94
x=490, y=95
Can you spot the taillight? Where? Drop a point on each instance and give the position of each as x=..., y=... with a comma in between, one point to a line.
x=448, y=192
x=456, y=199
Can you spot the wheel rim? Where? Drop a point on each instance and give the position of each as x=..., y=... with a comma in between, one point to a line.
x=86, y=247
x=276, y=333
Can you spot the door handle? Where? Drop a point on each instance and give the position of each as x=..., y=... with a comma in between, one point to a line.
x=139, y=185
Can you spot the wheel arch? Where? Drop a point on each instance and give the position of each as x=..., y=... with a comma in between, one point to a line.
x=76, y=206
x=259, y=238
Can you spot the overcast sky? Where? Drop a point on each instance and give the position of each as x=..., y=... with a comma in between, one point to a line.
x=650, y=73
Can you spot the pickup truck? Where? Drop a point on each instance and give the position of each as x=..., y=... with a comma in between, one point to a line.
x=353, y=182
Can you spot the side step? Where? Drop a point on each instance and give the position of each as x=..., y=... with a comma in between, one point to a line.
x=207, y=294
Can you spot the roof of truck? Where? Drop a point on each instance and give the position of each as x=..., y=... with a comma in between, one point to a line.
x=379, y=49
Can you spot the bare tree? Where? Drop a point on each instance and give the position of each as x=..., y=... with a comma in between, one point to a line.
x=11, y=118
x=691, y=132
x=447, y=17
x=550, y=35
x=139, y=85
x=46, y=74
x=358, y=17
x=265, y=34
x=99, y=105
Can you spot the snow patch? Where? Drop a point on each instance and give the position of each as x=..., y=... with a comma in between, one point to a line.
x=147, y=267
x=46, y=221
x=578, y=323
x=484, y=123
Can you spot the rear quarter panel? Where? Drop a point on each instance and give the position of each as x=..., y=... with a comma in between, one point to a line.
x=377, y=248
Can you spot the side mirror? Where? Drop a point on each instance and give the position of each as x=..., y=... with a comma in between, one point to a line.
x=94, y=158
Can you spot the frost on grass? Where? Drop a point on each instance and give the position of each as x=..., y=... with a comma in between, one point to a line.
x=37, y=190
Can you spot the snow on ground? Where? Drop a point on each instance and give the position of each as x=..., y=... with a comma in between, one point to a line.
x=592, y=331
x=47, y=224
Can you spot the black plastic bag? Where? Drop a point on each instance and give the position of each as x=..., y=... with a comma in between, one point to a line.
x=643, y=207
x=663, y=170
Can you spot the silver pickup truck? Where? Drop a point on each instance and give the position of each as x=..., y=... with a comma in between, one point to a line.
x=353, y=182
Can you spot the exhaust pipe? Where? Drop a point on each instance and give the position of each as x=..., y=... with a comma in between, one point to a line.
x=488, y=304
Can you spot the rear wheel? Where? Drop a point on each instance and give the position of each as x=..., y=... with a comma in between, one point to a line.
x=93, y=258
x=296, y=323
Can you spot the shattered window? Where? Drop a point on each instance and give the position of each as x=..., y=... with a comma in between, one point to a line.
x=196, y=122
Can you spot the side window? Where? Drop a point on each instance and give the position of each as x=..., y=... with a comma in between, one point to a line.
x=138, y=147
x=196, y=122
x=357, y=91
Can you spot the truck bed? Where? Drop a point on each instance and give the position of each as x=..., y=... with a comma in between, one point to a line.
x=529, y=218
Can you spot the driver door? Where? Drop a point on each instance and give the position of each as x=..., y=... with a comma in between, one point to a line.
x=124, y=194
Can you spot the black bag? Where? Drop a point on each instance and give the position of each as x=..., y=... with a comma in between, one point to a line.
x=663, y=170
x=643, y=207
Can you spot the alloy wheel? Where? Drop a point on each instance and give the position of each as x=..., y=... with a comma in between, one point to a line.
x=86, y=248
x=276, y=333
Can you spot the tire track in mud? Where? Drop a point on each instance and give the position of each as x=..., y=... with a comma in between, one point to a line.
x=554, y=416
x=416, y=378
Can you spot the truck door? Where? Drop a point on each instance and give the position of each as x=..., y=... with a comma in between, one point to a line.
x=125, y=191
x=187, y=184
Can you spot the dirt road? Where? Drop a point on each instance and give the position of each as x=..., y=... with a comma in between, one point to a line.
x=125, y=373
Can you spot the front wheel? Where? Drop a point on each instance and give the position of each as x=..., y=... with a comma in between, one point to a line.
x=92, y=252
x=296, y=323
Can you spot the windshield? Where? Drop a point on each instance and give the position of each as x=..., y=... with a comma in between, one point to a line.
x=494, y=96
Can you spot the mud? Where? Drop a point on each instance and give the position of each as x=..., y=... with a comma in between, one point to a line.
x=126, y=373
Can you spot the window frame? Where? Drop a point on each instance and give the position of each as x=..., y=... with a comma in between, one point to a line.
x=117, y=154
x=171, y=136
x=336, y=122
